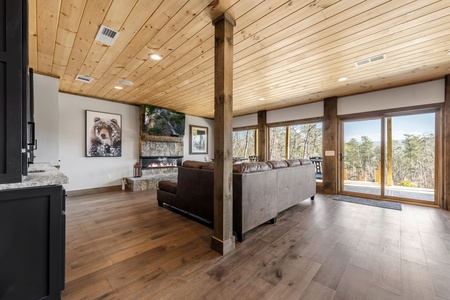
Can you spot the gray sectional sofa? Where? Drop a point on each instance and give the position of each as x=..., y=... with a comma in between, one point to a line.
x=260, y=190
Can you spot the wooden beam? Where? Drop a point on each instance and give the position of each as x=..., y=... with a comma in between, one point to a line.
x=446, y=157
x=223, y=240
x=262, y=135
x=330, y=156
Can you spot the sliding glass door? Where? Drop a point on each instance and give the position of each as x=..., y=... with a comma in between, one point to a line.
x=361, y=156
x=390, y=157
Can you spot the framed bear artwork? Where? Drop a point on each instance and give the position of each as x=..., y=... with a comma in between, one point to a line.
x=103, y=134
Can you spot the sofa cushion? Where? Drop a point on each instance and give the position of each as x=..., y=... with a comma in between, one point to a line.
x=305, y=161
x=293, y=162
x=278, y=164
x=208, y=165
x=250, y=167
x=193, y=164
x=168, y=186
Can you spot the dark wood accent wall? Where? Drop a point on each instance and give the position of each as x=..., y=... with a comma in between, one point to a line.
x=262, y=136
x=223, y=241
x=330, y=143
x=446, y=134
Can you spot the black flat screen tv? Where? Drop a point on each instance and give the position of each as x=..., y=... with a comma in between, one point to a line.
x=162, y=121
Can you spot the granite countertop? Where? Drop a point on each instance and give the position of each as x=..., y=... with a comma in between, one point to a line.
x=39, y=174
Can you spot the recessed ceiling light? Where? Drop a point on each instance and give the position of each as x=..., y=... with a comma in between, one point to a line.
x=125, y=82
x=261, y=99
x=155, y=56
x=343, y=79
x=448, y=52
x=118, y=87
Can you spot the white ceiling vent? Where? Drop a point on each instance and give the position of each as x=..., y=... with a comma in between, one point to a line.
x=107, y=35
x=370, y=60
x=83, y=78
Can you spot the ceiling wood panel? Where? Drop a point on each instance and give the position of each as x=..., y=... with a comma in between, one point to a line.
x=32, y=34
x=289, y=52
x=47, y=25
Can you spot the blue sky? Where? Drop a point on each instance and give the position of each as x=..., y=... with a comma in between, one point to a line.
x=412, y=124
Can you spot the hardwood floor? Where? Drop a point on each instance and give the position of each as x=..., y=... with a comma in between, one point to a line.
x=121, y=245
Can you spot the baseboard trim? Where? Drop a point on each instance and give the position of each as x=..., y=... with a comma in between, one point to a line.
x=113, y=188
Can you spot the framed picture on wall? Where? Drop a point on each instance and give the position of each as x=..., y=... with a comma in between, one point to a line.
x=198, y=140
x=103, y=134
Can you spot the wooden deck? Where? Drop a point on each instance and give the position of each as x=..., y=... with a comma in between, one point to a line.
x=121, y=245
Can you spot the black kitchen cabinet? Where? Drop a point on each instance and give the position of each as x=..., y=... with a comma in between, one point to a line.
x=13, y=70
x=32, y=243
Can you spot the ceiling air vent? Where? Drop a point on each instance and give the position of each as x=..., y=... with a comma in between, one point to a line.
x=107, y=35
x=370, y=60
x=83, y=78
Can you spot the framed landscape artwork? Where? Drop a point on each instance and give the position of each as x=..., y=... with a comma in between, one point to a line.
x=198, y=140
x=103, y=134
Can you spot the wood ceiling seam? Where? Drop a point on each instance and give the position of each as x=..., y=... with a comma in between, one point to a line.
x=133, y=74
x=236, y=96
x=293, y=59
x=285, y=35
x=90, y=22
x=239, y=61
x=312, y=63
x=151, y=27
x=66, y=33
x=147, y=72
x=97, y=49
x=32, y=35
x=46, y=33
x=131, y=27
x=165, y=70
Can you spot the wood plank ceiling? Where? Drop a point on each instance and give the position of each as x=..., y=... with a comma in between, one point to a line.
x=286, y=52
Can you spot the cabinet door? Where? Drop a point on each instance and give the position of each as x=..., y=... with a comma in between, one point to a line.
x=11, y=72
x=31, y=243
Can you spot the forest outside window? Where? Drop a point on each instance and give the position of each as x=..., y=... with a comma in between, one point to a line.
x=297, y=141
x=244, y=143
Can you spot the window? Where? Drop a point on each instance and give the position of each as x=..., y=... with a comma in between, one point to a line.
x=244, y=143
x=296, y=141
x=305, y=140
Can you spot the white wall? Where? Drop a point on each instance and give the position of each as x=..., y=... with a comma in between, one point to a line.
x=93, y=172
x=244, y=121
x=197, y=121
x=406, y=96
x=299, y=112
x=46, y=117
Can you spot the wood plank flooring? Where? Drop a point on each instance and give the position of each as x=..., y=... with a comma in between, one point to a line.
x=121, y=245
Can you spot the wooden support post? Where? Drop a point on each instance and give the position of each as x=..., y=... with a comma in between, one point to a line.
x=389, y=180
x=262, y=135
x=445, y=202
x=330, y=158
x=223, y=240
x=288, y=141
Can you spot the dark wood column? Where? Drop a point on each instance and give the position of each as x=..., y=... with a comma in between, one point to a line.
x=446, y=157
x=330, y=156
x=262, y=135
x=223, y=240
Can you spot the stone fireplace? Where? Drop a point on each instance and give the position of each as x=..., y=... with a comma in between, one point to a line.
x=159, y=157
x=160, y=154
